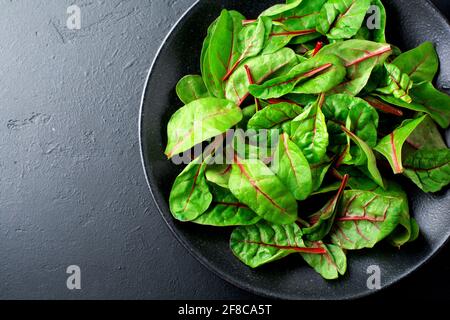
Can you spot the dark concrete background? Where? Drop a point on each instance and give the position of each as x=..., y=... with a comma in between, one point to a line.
x=72, y=189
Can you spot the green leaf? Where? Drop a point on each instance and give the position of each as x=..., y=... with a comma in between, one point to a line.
x=190, y=196
x=358, y=180
x=260, y=145
x=204, y=57
x=291, y=166
x=262, y=67
x=363, y=118
x=378, y=34
x=227, y=211
x=406, y=231
x=255, y=185
x=309, y=132
x=247, y=114
x=219, y=174
x=360, y=57
x=273, y=116
x=420, y=64
x=341, y=19
x=289, y=25
x=191, y=88
x=391, y=146
x=426, y=136
x=437, y=104
x=222, y=51
x=251, y=41
x=322, y=221
x=396, y=83
x=370, y=160
x=330, y=264
x=429, y=169
x=374, y=25
x=279, y=9
x=316, y=75
x=319, y=171
x=199, y=121
x=263, y=243
x=365, y=218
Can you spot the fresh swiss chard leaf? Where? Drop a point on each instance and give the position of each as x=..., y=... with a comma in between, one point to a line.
x=341, y=19
x=436, y=103
x=420, y=64
x=191, y=88
x=338, y=109
x=199, y=121
x=247, y=114
x=358, y=179
x=256, y=145
x=283, y=33
x=291, y=166
x=330, y=264
x=425, y=136
x=227, y=211
x=219, y=174
x=251, y=41
x=278, y=10
x=255, y=185
x=365, y=218
x=391, y=146
x=295, y=25
x=264, y=242
x=222, y=51
x=429, y=169
x=319, y=171
x=190, y=196
x=327, y=189
x=376, y=19
x=262, y=67
x=370, y=160
x=384, y=106
x=204, y=58
x=406, y=231
x=360, y=57
x=309, y=132
x=322, y=221
x=318, y=74
x=374, y=25
x=396, y=83
x=275, y=115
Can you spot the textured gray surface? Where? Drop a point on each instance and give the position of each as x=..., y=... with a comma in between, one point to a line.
x=72, y=190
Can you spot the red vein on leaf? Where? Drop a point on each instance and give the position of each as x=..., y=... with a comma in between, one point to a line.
x=282, y=19
x=252, y=81
x=315, y=218
x=386, y=108
x=231, y=204
x=227, y=170
x=193, y=186
x=255, y=186
x=294, y=33
x=288, y=154
x=318, y=47
x=308, y=74
x=370, y=55
x=297, y=249
x=397, y=166
x=259, y=81
x=277, y=101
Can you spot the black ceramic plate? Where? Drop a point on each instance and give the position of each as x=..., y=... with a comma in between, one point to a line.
x=411, y=22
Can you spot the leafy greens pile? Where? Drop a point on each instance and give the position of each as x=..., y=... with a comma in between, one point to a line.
x=345, y=106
